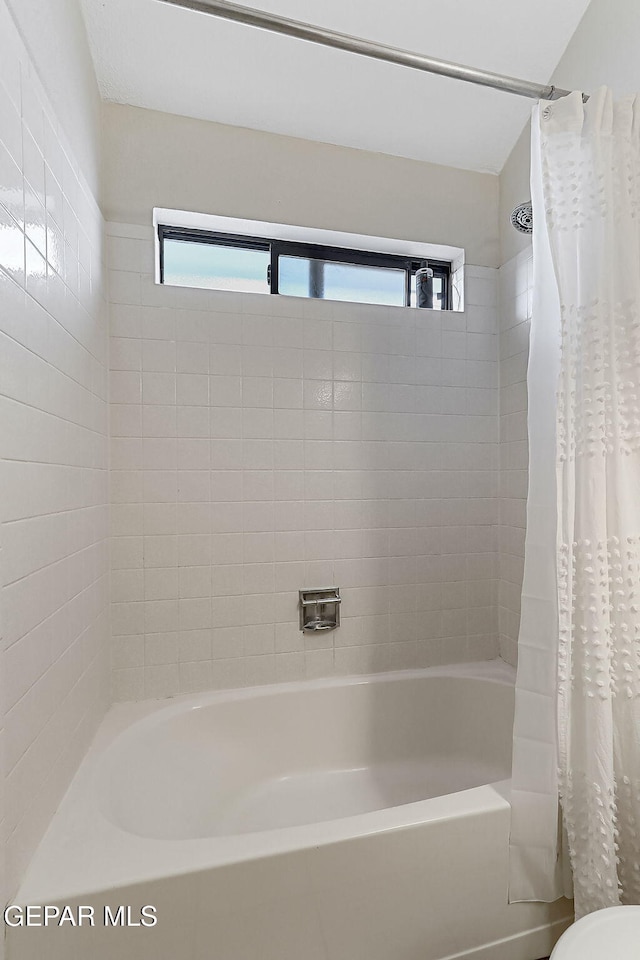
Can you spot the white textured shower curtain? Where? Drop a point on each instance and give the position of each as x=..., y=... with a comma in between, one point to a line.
x=578, y=688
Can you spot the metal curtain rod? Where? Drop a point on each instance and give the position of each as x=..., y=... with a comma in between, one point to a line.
x=367, y=48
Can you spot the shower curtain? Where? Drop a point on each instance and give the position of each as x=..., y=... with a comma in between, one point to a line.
x=577, y=727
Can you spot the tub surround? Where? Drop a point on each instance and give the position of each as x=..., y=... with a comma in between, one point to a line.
x=53, y=420
x=263, y=444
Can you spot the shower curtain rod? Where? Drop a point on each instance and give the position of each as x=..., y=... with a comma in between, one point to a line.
x=367, y=48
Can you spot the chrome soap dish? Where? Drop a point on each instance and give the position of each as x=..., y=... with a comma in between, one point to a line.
x=320, y=609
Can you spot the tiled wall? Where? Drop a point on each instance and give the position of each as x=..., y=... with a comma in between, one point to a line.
x=54, y=447
x=515, y=283
x=263, y=444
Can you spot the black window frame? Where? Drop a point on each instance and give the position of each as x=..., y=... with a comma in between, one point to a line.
x=313, y=251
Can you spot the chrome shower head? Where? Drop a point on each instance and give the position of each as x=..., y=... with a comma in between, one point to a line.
x=522, y=218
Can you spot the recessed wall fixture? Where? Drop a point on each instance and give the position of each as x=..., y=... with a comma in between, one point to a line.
x=320, y=609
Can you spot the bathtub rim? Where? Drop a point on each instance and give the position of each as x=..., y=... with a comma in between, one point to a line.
x=69, y=861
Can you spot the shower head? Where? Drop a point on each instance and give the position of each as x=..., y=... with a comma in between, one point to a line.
x=522, y=218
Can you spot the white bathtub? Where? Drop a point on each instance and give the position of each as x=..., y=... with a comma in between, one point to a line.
x=362, y=818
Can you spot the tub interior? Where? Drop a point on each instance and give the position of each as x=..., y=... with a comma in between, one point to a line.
x=277, y=760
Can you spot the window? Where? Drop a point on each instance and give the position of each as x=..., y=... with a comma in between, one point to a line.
x=218, y=261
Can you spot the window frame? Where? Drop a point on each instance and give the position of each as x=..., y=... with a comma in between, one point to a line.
x=313, y=251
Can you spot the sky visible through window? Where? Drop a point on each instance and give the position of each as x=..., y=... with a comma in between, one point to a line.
x=215, y=267
x=343, y=281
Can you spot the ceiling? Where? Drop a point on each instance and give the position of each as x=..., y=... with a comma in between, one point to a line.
x=153, y=55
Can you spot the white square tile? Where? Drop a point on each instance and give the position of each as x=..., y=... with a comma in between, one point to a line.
x=342, y=445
